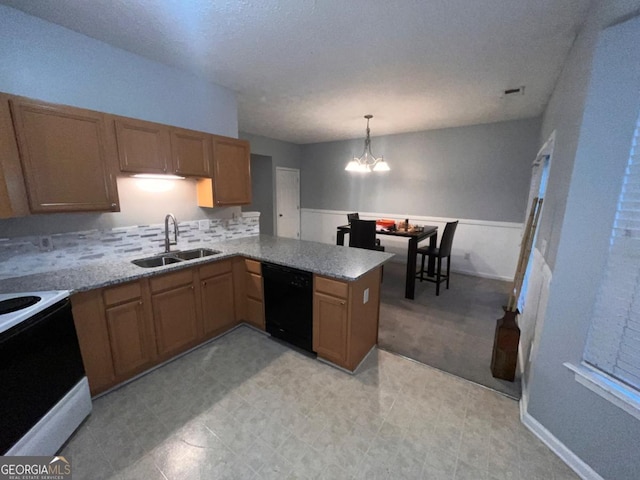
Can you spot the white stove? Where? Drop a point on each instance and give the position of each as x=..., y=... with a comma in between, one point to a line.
x=45, y=391
x=22, y=306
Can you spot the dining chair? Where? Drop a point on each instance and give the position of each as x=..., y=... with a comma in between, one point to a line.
x=356, y=216
x=444, y=251
x=363, y=235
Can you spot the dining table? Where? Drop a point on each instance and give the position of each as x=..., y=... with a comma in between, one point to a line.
x=415, y=236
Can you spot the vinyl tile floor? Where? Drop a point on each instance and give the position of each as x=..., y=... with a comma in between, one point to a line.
x=247, y=407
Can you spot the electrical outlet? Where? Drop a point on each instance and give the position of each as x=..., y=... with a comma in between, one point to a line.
x=467, y=256
x=46, y=243
x=203, y=224
x=365, y=296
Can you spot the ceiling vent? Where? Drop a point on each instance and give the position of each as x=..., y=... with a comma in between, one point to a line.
x=513, y=92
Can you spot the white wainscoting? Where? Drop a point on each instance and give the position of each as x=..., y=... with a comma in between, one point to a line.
x=492, y=247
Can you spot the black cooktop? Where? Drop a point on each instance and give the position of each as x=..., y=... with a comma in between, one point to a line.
x=17, y=303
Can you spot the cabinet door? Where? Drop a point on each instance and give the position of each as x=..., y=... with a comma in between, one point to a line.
x=93, y=337
x=254, y=285
x=130, y=347
x=231, y=171
x=64, y=155
x=176, y=320
x=143, y=147
x=191, y=152
x=330, y=328
x=255, y=313
x=13, y=194
x=217, y=304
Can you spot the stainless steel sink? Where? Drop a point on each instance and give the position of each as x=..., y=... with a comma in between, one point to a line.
x=157, y=261
x=195, y=253
x=173, y=257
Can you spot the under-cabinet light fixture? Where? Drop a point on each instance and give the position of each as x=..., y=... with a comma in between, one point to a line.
x=158, y=176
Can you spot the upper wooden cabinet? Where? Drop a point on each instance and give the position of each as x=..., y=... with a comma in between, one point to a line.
x=13, y=194
x=143, y=147
x=191, y=152
x=147, y=147
x=231, y=184
x=65, y=156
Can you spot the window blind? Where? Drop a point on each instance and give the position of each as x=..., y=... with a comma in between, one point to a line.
x=613, y=345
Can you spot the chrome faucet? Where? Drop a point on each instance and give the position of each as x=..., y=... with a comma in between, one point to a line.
x=167, y=243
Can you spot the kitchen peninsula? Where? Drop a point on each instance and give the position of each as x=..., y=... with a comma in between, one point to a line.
x=130, y=319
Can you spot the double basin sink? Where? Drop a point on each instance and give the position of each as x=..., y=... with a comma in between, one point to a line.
x=174, y=257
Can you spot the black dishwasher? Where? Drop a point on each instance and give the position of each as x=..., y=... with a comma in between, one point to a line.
x=288, y=304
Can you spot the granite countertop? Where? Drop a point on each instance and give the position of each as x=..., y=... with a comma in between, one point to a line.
x=334, y=261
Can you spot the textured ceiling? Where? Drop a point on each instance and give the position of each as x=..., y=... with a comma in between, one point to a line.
x=308, y=70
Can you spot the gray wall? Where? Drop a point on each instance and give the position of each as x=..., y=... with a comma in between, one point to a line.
x=477, y=172
x=262, y=192
x=282, y=154
x=564, y=116
x=45, y=61
x=592, y=151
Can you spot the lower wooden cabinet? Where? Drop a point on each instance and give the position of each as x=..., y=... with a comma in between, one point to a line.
x=116, y=336
x=345, y=318
x=217, y=294
x=93, y=336
x=126, y=329
x=330, y=327
x=254, y=295
x=176, y=317
x=130, y=347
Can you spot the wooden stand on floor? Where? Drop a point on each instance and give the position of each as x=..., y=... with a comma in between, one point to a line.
x=507, y=337
x=505, y=347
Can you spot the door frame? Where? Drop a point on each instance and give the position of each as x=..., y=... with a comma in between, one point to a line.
x=543, y=162
x=275, y=202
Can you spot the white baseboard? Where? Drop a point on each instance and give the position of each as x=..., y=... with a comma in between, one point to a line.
x=584, y=471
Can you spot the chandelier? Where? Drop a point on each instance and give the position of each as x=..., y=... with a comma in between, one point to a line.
x=367, y=161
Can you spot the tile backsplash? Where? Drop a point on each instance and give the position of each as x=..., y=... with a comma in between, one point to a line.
x=36, y=254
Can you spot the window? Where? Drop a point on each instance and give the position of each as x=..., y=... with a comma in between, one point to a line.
x=613, y=346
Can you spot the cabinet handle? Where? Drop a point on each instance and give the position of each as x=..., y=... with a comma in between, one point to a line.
x=140, y=302
x=204, y=284
x=343, y=303
x=114, y=205
x=192, y=288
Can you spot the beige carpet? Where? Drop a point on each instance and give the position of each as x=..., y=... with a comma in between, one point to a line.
x=453, y=332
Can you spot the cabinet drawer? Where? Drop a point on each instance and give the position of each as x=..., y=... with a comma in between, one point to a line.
x=121, y=293
x=171, y=280
x=215, y=269
x=253, y=266
x=254, y=285
x=332, y=287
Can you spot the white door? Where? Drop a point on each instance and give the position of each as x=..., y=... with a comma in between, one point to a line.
x=287, y=202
